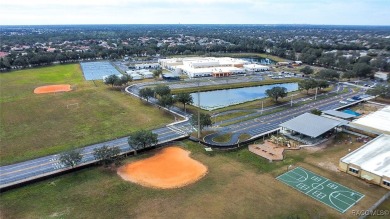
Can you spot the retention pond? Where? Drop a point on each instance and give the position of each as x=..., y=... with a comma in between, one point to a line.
x=210, y=100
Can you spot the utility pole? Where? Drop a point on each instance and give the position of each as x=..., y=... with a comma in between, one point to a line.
x=262, y=106
x=198, y=109
x=291, y=100
x=315, y=97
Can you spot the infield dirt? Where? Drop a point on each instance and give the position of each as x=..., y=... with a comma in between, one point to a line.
x=170, y=168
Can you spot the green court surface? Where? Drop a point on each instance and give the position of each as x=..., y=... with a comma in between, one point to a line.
x=320, y=188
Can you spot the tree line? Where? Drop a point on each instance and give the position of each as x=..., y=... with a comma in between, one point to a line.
x=291, y=42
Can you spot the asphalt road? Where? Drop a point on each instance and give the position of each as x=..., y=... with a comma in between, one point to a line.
x=14, y=173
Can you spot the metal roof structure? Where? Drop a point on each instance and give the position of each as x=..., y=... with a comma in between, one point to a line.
x=339, y=114
x=310, y=124
x=379, y=121
x=372, y=157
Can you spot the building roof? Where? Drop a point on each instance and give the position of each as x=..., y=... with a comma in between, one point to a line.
x=339, y=114
x=171, y=75
x=379, y=120
x=310, y=124
x=373, y=157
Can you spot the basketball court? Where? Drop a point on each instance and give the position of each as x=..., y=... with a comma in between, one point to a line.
x=320, y=188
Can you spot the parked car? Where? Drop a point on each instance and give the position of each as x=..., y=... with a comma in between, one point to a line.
x=343, y=102
x=356, y=98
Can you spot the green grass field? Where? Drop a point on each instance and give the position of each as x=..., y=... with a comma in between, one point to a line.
x=239, y=184
x=33, y=125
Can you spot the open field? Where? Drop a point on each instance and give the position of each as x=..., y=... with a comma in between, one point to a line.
x=34, y=125
x=239, y=184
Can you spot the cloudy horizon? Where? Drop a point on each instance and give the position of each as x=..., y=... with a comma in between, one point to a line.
x=320, y=12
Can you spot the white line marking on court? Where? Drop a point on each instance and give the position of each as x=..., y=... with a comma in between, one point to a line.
x=315, y=187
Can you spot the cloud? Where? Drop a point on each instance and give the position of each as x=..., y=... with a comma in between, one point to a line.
x=195, y=11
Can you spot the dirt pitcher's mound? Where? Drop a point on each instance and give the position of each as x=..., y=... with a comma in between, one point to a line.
x=52, y=89
x=170, y=168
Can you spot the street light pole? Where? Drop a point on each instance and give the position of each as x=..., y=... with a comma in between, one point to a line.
x=291, y=100
x=262, y=107
x=198, y=110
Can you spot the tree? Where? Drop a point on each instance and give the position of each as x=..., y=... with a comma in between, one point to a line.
x=276, y=92
x=125, y=79
x=166, y=101
x=380, y=90
x=205, y=120
x=146, y=93
x=322, y=84
x=362, y=70
x=307, y=70
x=184, y=98
x=328, y=74
x=71, y=158
x=349, y=74
x=157, y=73
x=316, y=112
x=365, y=59
x=142, y=139
x=107, y=155
x=115, y=80
x=307, y=84
x=111, y=80
x=162, y=90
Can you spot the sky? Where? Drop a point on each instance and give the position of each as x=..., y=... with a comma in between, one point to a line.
x=336, y=12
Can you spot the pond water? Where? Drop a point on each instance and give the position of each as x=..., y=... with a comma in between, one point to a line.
x=258, y=60
x=210, y=100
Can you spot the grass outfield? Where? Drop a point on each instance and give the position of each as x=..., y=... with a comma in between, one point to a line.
x=239, y=184
x=34, y=125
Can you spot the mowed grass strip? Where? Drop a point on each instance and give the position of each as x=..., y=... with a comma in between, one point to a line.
x=34, y=125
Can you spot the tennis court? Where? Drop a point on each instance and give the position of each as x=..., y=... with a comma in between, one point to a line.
x=320, y=188
x=96, y=70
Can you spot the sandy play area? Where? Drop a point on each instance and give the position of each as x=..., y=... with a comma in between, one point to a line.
x=52, y=89
x=170, y=168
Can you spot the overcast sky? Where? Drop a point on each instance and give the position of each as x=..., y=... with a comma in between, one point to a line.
x=350, y=12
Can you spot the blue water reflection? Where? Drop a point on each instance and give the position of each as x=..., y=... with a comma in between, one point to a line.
x=210, y=100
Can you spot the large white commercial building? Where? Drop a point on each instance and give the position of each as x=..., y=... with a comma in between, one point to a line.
x=210, y=66
x=370, y=162
x=378, y=121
